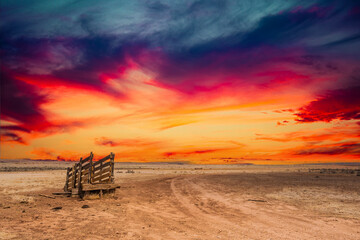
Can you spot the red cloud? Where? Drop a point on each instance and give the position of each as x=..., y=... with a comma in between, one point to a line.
x=350, y=148
x=282, y=123
x=44, y=153
x=11, y=137
x=342, y=104
x=187, y=153
x=20, y=103
x=16, y=128
x=330, y=135
x=103, y=141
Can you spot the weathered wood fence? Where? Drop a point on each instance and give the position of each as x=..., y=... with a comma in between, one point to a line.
x=88, y=176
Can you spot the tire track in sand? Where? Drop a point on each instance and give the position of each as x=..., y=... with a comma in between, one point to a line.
x=240, y=219
x=205, y=218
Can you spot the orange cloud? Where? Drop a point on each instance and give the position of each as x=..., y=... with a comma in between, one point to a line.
x=343, y=148
x=329, y=135
x=44, y=153
x=104, y=141
x=194, y=152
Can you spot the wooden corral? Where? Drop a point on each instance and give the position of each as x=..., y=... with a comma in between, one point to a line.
x=89, y=179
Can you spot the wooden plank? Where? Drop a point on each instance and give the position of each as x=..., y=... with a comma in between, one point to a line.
x=47, y=196
x=74, y=192
x=103, y=169
x=89, y=187
x=76, y=166
x=85, y=172
x=97, y=164
x=61, y=193
x=106, y=180
x=86, y=166
x=87, y=158
x=85, y=169
x=103, y=159
x=85, y=176
x=84, y=180
x=68, y=186
x=99, y=178
x=85, y=161
x=103, y=175
x=107, y=173
x=101, y=166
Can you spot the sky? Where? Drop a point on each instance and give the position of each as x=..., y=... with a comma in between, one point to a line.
x=208, y=82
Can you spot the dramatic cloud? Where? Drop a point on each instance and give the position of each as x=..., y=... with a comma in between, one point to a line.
x=184, y=73
x=20, y=102
x=346, y=148
x=333, y=134
x=16, y=128
x=342, y=104
x=194, y=152
x=44, y=153
x=103, y=141
x=11, y=137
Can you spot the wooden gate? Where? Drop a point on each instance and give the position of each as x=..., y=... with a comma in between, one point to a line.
x=88, y=177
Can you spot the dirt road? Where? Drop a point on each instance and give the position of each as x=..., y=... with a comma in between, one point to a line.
x=186, y=206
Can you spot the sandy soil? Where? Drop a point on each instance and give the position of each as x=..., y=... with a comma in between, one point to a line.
x=181, y=202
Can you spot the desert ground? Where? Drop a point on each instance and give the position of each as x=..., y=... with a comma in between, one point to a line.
x=183, y=201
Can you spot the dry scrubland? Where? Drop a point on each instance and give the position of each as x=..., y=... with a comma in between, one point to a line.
x=173, y=201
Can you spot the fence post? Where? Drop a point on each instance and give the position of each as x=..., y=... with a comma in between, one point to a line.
x=112, y=157
x=79, y=178
x=66, y=187
x=90, y=168
x=73, y=177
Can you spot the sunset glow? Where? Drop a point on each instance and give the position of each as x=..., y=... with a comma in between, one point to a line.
x=197, y=81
